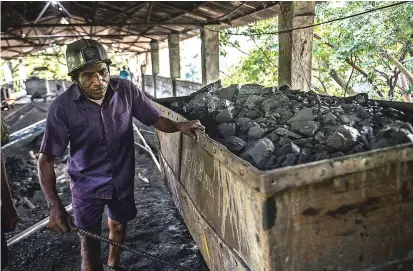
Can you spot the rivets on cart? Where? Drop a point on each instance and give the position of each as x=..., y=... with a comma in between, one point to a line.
x=241, y=171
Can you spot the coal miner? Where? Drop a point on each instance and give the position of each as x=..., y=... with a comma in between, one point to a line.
x=94, y=116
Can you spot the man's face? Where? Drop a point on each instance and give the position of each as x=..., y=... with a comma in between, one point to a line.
x=94, y=80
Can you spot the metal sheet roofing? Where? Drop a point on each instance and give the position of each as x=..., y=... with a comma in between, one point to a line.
x=128, y=26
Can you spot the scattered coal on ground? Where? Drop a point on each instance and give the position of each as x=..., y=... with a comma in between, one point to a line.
x=158, y=228
x=275, y=127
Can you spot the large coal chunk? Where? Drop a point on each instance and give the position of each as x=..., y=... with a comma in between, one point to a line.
x=253, y=89
x=226, y=130
x=210, y=88
x=343, y=138
x=229, y=93
x=235, y=144
x=258, y=153
x=394, y=134
x=304, y=127
x=226, y=115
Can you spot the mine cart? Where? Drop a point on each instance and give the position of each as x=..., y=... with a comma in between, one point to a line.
x=346, y=213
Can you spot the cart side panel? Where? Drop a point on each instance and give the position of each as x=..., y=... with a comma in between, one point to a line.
x=170, y=147
x=233, y=209
x=352, y=221
x=217, y=254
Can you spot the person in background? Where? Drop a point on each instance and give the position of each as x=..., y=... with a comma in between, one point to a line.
x=9, y=215
x=124, y=74
x=132, y=76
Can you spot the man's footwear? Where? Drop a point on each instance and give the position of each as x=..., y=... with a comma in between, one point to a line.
x=112, y=268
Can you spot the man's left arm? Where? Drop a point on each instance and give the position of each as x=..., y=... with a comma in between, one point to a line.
x=188, y=128
x=147, y=113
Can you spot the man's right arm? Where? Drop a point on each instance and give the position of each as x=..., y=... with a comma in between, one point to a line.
x=59, y=219
x=47, y=178
x=54, y=144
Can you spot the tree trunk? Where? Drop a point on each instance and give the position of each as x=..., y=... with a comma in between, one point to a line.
x=339, y=79
x=406, y=49
x=351, y=63
x=400, y=66
x=342, y=82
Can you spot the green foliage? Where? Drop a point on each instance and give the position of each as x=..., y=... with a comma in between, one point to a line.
x=359, y=39
x=260, y=66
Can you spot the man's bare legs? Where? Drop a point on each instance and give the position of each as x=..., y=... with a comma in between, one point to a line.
x=117, y=234
x=90, y=251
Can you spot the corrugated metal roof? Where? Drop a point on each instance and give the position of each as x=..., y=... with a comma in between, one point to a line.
x=30, y=26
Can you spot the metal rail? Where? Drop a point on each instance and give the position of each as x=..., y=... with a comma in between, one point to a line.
x=38, y=226
x=146, y=146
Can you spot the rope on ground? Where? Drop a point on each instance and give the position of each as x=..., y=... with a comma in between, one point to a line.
x=133, y=250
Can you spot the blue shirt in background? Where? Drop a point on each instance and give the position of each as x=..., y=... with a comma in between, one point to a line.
x=125, y=75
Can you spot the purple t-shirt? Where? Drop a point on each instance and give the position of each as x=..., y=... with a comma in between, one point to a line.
x=100, y=138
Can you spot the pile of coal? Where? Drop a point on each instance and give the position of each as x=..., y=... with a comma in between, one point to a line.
x=22, y=176
x=275, y=127
x=22, y=173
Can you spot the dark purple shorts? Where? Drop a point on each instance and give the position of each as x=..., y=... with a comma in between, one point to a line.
x=88, y=211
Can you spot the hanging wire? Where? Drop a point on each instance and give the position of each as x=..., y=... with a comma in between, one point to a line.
x=313, y=25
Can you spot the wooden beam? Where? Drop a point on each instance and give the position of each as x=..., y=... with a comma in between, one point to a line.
x=230, y=12
x=254, y=12
x=128, y=10
x=184, y=11
x=42, y=12
x=21, y=16
x=112, y=24
x=174, y=18
x=137, y=20
x=149, y=12
x=74, y=36
x=73, y=4
x=94, y=16
x=17, y=37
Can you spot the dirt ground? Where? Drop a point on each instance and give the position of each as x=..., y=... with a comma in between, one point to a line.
x=158, y=228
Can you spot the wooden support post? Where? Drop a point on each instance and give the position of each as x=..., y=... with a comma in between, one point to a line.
x=210, y=54
x=174, y=60
x=143, y=72
x=295, y=48
x=155, y=63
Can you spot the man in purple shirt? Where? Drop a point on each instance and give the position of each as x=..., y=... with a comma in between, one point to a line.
x=94, y=116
